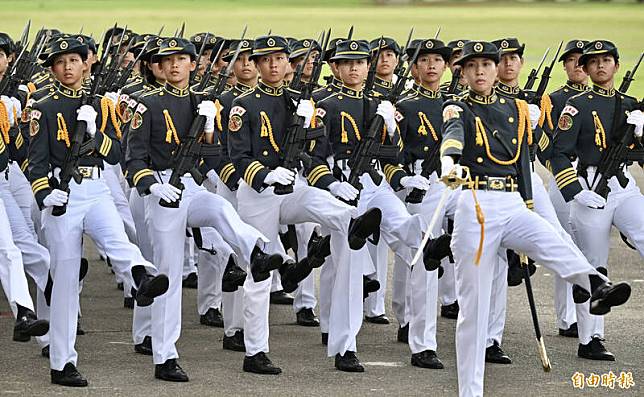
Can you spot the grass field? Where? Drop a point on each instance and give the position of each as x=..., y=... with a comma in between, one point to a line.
x=539, y=25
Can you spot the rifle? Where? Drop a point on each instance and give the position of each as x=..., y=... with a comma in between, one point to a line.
x=453, y=84
x=404, y=57
x=350, y=34
x=371, y=75
x=535, y=97
x=297, y=136
x=23, y=37
x=22, y=68
x=532, y=77
x=617, y=154
x=370, y=148
x=186, y=156
x=628, y=77
x=69, y=168
x=116, y=61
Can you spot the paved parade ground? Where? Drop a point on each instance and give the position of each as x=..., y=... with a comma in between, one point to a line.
x=107, y=358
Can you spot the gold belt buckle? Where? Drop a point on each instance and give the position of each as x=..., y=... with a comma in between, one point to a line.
x=495, y=184
x=86, y=172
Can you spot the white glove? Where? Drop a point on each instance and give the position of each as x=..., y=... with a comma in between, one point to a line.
x=448, y=167
x=23, y=88
x=305, y=109
x=343, y=190
x=636, y=117
x=388, y=113
x=209, y=111
x=415, y=182
x=8, y=104
x=112, y=96
x=87, y=114
x=17, y=105
x=280, y=175
x=535, y=114
x=590, y=199
x=165, y=191
x=212, y=176
x=55, y=199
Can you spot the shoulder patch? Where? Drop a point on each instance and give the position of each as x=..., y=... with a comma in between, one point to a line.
x=565, y=122
x=35, y=114
x=569, y=109
x=237, y=110
x=34, y=127
x=141, y=108
x=137, y=120
x=451, y=112
x=235, y=122
x=398, y=116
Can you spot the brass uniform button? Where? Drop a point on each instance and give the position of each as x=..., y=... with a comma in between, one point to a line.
x=479, y=160
x=502, y=100
x=265, y=152
x=514, y=140
x=426, y=149
x=511, y=119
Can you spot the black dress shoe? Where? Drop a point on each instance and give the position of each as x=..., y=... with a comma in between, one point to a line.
x=292, y=274
x=235, y=342
x=325, y=338
x=435, y=250
x=281, y=298
x=69, y=376
x=426, y=359
x=348, y=363
x=79, y=329
x=233, y=277
x=150, y=288
x=450, y=311
x=119, y=286
x=364, y=226
x=45, y=351
x=306, y=318
x=318, y=248
x=212, y=318
x=571, y=332
x=260, y=364
x=403, y=334
x=516, y=273
x=128, y=303
x=170, y=371
x=494, y=354
x=262, y=264
x=608, y=295
x=29, y=325
x=369, y=285
x=579, y=294
x=381, y=319
x=84, y=268
x=144, y=347
x=190, y=281
x=595, y=350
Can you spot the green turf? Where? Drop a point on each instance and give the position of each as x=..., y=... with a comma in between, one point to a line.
x=539, y=25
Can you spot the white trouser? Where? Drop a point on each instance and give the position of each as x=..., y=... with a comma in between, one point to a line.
x=498, y=299
x=591, y=227
x=509, y=224
x=213, y=257
x=304, y=296
x=142, y=318
x=374, y=305
x=167, y=230
x=90, y=210
x=12, y=272
x=564, y=304
x=267, y=211
x=232, y=303
x=189, y=255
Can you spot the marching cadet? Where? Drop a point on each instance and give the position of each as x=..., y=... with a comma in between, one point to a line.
x=576, y=84
x=334, y=83
x=346, y=116
x=500, y=187
x=386, y=63
x=419, y=119
x=161, y=122
x=89, y=206
x=457, y=50
x=591, y=123
x=257, y=124
x=208, y=42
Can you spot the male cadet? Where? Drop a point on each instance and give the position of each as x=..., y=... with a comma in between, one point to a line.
x=89, y=205
x=257, y=124
x=419, y=119
x=347, y=116
x=577, y=83
x=387, y=61
x=457, y=50
x=334, y=84
x=161, y=122
x=590, y=124
x=227, y=184
x=499, y=184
